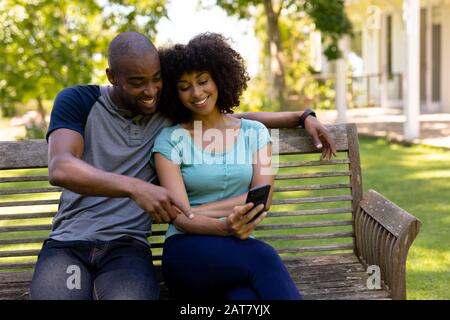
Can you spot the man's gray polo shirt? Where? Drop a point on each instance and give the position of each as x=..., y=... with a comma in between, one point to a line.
x=113, y=142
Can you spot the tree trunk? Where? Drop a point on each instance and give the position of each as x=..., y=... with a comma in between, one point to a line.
x=40, y=107
x=277, y=85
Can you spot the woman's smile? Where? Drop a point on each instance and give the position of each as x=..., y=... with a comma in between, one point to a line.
x=201, y=103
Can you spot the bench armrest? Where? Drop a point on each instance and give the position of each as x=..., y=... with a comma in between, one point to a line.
x=383, y=234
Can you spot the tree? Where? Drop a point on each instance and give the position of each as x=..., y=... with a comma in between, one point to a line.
x=46, y=47
x=329, y=17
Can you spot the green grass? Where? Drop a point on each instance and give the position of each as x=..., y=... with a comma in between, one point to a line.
x=415, y=178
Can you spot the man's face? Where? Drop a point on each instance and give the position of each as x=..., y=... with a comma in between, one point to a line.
x=137, y=83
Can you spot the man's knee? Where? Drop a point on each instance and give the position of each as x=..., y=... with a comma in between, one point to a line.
x=135, y=286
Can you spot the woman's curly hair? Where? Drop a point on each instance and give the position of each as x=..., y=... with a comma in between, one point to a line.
x=206, y=52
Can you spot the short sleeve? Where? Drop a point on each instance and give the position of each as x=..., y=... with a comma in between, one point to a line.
x=169, y=144
x=71, y=108
x=259, y=136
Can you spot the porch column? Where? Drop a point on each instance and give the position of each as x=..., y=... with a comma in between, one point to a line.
x=411, y=9
x=445, y=53
x=429, y=56
x=383, y=62
x=341, y=82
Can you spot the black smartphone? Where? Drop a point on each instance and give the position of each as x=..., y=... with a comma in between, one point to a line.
x=257, y=196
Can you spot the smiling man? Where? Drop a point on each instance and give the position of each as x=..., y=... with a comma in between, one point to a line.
x=99, y=144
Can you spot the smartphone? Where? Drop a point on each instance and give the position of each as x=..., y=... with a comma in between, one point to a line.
x=257, y=196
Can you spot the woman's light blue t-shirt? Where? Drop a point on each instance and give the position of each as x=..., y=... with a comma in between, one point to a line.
x=209, y=175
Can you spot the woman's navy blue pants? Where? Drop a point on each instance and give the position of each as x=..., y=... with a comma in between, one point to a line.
x=215, y=267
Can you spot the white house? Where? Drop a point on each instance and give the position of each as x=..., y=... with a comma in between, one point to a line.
x=407, y=44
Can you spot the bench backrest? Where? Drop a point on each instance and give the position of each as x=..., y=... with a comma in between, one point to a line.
x=312, y=211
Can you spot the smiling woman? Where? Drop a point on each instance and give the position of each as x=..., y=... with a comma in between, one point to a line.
x=197, y=91
x=219, y=254
x=207, y=62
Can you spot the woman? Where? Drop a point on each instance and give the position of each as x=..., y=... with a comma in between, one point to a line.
x=209, y=161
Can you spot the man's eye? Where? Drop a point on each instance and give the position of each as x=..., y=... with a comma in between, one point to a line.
x=137, y=84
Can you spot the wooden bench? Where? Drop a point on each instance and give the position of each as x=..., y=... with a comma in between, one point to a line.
x=326, y=231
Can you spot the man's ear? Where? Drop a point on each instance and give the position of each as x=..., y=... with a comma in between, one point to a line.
x=111, y=76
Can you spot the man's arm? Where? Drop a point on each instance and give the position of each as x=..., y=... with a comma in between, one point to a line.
x=319, y=134
x=66, y=169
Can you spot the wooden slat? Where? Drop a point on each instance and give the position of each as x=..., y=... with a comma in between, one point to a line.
x=297, y=140
x=157, y=257
x=158, y=233
x=18, y=216
x=391, y=264
x=311, y=212
x=331, y=247
x=327, y=275
x=29, y=191
x=366, y=295
x=33, y=154
x=312, y=271
x=19, y=253
x=332, y=286
x=294, y=164
x=16, y=277
x=320, y=260
x=22, y=241
x=355, y=166
x=26, y=228
x=312, y=236
x=28, y=203
x=24, y=178
x=304, y=225
x=313, y=187
x=22, y=265
x=312, y=200
x=312, y=175
x=19, y=293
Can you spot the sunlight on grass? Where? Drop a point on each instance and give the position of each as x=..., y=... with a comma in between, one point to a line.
x=429, y=260
x=417, y=179
x=442, y=174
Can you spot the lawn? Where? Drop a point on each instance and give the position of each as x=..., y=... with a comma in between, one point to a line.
x=415, y=178
x=418, y=180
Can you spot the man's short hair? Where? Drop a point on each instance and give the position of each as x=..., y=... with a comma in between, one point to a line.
x=129, y=44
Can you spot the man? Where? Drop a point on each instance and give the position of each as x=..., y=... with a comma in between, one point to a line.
x=99, y=141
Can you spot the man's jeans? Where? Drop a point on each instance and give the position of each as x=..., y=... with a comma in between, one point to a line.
x=118, y=269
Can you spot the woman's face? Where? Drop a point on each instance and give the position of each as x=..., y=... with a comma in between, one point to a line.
x=198, y=92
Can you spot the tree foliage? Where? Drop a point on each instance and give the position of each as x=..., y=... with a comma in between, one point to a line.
x=46, y=47
x=282, y=36
x=328, y=16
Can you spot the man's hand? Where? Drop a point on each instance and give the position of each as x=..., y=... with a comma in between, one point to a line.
x=158, y=202
x=321, y=137
x=238, y=224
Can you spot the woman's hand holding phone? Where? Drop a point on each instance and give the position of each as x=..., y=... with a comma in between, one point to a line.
x=244, y=219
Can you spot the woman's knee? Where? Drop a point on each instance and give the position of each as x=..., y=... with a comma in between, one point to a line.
x=265, y=254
